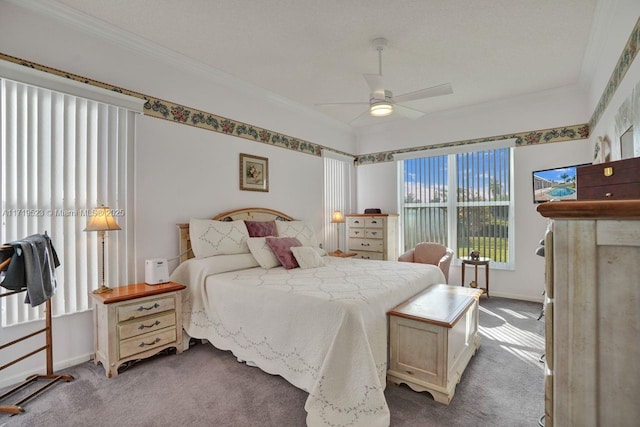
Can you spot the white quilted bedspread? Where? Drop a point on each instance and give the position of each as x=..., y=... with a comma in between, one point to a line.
x=323, y=329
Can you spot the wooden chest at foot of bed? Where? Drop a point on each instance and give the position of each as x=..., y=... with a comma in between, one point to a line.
x=432, y=337
x=617, y=180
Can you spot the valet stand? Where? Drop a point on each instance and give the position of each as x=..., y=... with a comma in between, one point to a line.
x=50, y=377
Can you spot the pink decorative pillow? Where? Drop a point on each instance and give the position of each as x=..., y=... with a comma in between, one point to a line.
x=261, y=228
x=281, y=247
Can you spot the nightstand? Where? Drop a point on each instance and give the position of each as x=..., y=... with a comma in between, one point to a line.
x=338, y=253
x=135, y=322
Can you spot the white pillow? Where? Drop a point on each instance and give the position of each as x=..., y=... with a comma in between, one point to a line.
x=210, y=237
x=262, y=252
x=307, y=257
x=301, y=230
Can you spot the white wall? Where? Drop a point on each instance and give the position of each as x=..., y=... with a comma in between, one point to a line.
x=180, y=171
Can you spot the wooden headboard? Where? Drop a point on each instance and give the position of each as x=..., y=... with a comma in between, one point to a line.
x=249, y=214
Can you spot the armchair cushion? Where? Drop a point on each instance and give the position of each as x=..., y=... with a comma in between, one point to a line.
x=430, y=253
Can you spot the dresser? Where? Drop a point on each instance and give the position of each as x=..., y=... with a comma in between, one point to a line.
x=373, y=236
x=592, y=313
x=135, y=322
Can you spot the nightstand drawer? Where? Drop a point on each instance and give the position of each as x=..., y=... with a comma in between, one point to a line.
x=366, y=245
x=370, y=255
x=144, y=325
x=146, y=342
x=145, y=308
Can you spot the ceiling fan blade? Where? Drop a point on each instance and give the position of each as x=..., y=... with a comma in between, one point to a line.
x=337, y=104
x=375, y=84
x=443, y=89
x=407, y=112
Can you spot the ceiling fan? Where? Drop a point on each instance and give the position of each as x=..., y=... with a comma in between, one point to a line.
x=382, y=102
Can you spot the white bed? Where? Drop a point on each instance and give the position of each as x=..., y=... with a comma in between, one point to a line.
x=323, y=329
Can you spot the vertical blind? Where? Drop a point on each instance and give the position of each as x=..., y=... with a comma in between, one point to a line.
x=462, y=200
x=61, y=156
x=337, y=197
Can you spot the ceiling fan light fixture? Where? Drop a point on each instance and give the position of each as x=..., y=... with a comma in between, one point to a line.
x=381, y=108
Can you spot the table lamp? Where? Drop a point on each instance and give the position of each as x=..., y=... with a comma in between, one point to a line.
x=337, y=218
x=102, y=221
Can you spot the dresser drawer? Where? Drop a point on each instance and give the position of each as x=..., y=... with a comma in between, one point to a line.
x=370, y=255
x=366, y=245
x=144, y=325
x=373, y=233
x=610, y=192
x=356, y=232
x=374, y=222
x=145, y=308
x=146, y=342
x=355, y=222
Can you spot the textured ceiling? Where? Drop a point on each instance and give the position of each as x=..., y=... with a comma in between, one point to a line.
x=315, y=51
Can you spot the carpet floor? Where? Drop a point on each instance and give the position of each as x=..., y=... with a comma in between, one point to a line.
x=503, y=385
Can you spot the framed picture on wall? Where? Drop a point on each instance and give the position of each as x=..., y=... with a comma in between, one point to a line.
x=254, y=173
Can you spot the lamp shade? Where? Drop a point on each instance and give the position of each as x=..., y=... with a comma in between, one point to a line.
x=102, y=220
x=337, y=217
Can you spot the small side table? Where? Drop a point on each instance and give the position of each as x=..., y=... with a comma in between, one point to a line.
x=476, y=262
x=338, y=253
x=135, y=322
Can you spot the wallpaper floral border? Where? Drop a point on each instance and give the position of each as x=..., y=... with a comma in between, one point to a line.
x=167, y=110
x=627, y=56
x=567, y=133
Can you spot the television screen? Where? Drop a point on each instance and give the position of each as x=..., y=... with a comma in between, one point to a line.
x=555, y=184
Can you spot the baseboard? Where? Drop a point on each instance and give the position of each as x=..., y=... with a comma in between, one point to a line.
x=539, y=299
x=57, y=368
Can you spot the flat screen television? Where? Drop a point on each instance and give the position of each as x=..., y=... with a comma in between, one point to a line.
x=555, y=184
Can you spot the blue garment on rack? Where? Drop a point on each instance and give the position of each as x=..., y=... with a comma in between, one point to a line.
x=32, y=267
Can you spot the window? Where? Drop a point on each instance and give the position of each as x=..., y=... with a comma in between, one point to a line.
x=463, y=201
x=60, y=157
x=338, y=171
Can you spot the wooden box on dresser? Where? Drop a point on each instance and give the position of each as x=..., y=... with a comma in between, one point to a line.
x=592, y=313
x=373, y=236
x=135, y=322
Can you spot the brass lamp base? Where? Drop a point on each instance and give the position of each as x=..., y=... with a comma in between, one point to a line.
x=102, y=289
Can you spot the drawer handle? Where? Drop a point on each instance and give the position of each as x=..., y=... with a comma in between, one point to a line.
x=356, y=232
x=409, y=372
x=608, y=194
x=142, y=325
x=365, y=257
x=374, y=222
x=142, y=344
x=155, y=305
x=365, y=244
x=374, y=232
x=356, y=222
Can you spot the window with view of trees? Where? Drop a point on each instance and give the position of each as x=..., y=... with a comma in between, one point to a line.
x=463, y=201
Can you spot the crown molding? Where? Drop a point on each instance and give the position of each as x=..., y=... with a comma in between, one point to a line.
x=110, y=33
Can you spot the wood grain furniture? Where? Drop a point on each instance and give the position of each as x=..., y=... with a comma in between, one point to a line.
x=482, y=261
x=592, y=313
x=617, y=180
x=49, y=377
x=135, y=322
x=338, y=253
x=373, y=236
x=432, y=337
